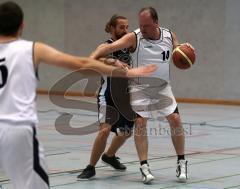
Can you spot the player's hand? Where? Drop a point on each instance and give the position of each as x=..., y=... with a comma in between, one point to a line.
x=116, y=63
x=120, y=64
x=189, y=45
x=142, y=70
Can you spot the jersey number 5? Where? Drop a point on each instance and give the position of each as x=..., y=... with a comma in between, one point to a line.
x=3, y=73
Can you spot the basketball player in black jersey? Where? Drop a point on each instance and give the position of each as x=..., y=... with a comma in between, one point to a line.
x=115, y=112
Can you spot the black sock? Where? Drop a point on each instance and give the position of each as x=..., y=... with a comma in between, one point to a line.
x=90, y=166
x=181, y=157
x=144, y=162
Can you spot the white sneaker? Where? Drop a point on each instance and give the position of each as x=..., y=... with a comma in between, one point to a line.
x=181, y=170
x=147, y=176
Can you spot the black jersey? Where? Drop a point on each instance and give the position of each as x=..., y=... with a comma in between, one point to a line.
x=115, y=96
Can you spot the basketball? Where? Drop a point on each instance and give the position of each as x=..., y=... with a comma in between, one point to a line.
x=183, y=56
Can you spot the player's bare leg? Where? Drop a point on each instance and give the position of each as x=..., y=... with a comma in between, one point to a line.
x=178, y=139
x=141, y=142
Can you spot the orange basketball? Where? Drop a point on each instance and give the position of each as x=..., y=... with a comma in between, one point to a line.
x=183, y=56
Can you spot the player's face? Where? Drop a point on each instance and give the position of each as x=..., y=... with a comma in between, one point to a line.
x=121, y=28
x=147, y=26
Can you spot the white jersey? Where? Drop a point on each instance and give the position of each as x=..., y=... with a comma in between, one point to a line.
x=18, y=83
x=154, y=52
x=153, y=98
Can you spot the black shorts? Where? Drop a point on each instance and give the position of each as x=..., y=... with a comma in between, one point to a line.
x=120, y=121
x=115, y=109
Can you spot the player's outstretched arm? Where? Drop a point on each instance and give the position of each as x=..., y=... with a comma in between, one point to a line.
x=127, y=41
x=47, y=54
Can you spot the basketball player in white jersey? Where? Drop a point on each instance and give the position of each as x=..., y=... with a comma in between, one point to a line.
x=152, y=44
x=21, y=155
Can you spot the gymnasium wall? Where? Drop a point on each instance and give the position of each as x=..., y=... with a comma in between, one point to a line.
x=212, y=27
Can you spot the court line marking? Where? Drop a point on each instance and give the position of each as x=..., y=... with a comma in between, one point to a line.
x=203, y=180
x=237, y=186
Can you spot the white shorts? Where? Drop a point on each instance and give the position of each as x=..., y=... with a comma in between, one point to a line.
x=22, y=157
x=153, y=102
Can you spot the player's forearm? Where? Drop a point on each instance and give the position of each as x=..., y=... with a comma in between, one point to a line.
x=104, y=69
x=101, y=51
x=175, y=40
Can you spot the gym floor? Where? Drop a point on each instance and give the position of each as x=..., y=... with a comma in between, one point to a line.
x=212, y=149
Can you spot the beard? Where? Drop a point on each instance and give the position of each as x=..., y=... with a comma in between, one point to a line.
x=120, y=35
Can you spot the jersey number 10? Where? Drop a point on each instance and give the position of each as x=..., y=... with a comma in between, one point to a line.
x=165, y=55
x=3, y=73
